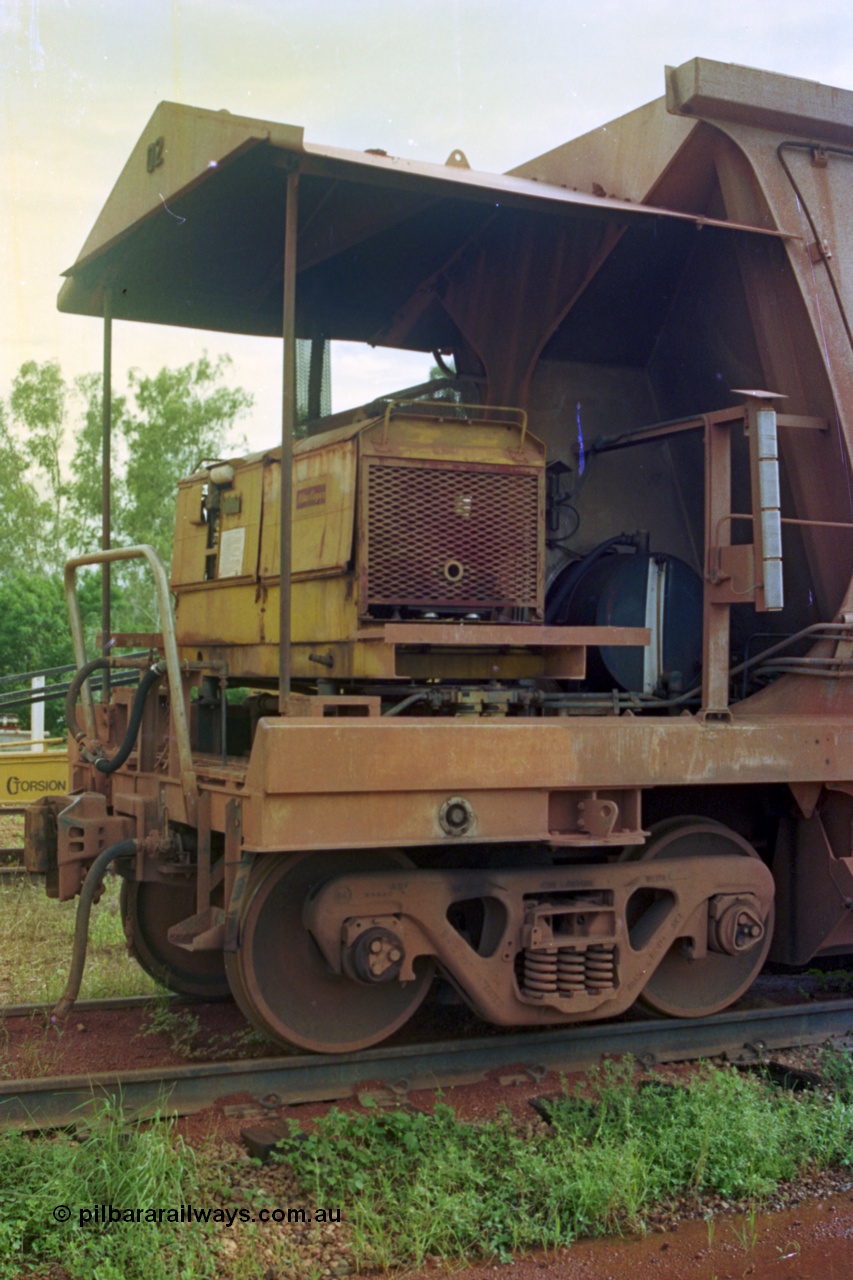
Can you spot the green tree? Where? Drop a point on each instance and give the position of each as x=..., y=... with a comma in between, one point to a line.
x=160, y=433
x=175, y=420
x=34, y=631
x=84, y=491
x=33, y=623
x=181, y=418
x=21, y=526
x=38, y=405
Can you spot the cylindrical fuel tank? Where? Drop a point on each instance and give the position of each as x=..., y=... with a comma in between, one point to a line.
x=638, y=589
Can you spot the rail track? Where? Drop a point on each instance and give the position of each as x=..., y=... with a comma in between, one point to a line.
x=93, y=1006
x=742, y=1035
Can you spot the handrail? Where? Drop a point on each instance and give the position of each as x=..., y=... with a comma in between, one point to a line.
x=483, y=409
x=170, y=648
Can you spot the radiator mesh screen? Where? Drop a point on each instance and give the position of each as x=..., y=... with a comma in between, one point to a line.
x=444, y=536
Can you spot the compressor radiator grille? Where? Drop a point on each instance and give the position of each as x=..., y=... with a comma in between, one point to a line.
x=446, y=536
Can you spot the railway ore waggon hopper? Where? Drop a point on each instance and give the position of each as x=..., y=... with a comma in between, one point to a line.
x=538, y=677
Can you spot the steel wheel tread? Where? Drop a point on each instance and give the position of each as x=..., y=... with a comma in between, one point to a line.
x=279, y=977
x=148, y=911
x=685, y=988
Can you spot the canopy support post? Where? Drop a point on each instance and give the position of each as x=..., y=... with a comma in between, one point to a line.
x=106, y=482
x=288, y=421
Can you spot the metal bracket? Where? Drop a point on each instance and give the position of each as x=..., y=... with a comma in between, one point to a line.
x=231, y=940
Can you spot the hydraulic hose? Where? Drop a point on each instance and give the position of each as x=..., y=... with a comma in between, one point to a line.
x=146, y=684
x=151, y=677
x=98, y=664
x=556, y=607
x=124, y=848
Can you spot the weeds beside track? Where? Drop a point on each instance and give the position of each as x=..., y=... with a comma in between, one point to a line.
x=407, y=1187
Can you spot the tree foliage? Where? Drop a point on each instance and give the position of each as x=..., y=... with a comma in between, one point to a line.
x=52, y=510
x=34, y=631
x=83, y=525
x=38, y=409
x=183, y=416
x=38, y=405
x=21, y=526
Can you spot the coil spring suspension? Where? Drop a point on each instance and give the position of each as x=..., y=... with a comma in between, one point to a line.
x=541, y=971
x=600, y=967
x=570, y=968
x=567, y=971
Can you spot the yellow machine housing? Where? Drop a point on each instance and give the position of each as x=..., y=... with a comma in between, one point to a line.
x=425, y=513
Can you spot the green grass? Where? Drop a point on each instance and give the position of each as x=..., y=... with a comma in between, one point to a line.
x=411, y=1185
x=417, y=1185
x=134, y=1166
x=183, y=1029
x=119, y=1164
x=832, y=981
x=36, y=935
x=837, y=1069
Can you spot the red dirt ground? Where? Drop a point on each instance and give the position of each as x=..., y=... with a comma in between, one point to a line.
x=813, y=1241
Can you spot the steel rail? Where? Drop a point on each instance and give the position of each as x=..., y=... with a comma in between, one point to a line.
x=106, y=1003
x=743, y=1035
x=10, y=868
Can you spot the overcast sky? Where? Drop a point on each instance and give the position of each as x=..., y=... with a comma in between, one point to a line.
x=502, y=79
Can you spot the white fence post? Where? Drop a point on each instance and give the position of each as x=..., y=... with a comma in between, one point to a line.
x=37, y=717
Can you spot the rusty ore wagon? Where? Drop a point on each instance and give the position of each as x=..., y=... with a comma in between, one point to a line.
x=537, y=678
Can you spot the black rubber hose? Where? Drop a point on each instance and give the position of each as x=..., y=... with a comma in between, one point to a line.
x=146, y=684
x=124, y=848
x=98, y=664
x=558, y=605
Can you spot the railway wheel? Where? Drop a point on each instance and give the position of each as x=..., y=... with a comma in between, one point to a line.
x=148, y=911
x=281, y=980
x=682, y=987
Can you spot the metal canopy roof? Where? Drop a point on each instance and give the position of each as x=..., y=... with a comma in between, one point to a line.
x=193, y=231
x=200, y=223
